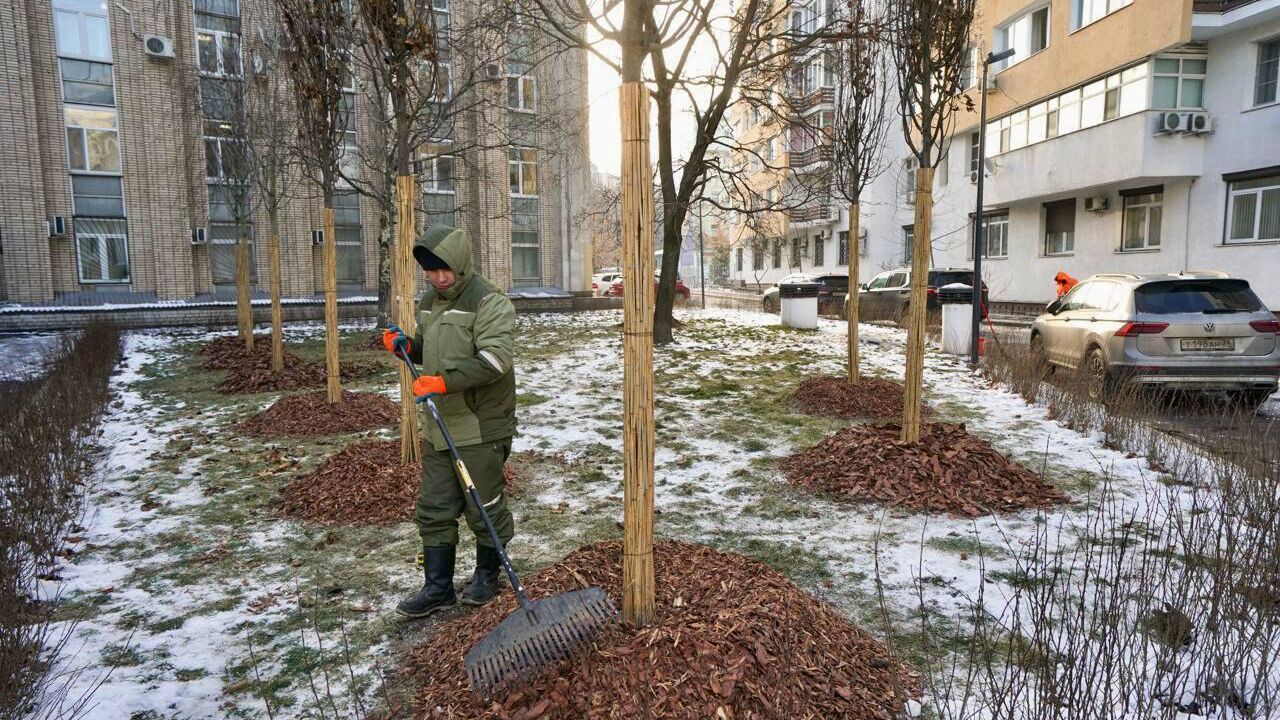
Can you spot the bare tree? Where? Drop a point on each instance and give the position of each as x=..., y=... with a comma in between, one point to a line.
x=858, y=138
x=929, y=40
x=318, y=33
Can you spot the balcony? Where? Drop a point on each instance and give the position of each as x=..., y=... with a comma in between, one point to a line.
x=824, y=97
x=810, y=214
x=818, y=155
x=1127, y=150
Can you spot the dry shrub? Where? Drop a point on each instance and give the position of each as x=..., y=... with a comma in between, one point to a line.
x=46, y=454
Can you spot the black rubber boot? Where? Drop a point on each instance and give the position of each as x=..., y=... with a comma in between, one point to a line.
x=437, y=591
x=484, y=583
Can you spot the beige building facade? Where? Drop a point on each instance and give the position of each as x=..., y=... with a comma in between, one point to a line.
x=112, y=170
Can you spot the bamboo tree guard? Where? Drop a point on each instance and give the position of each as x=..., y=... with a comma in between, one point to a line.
x=334, y=386
x=913, y=390
x=851, y=306
x=403, y=289
x=244, y=308
x=637, y=357
x=277, y=319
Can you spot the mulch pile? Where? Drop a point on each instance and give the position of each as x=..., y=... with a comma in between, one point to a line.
x=870, y=397
x=311, y=414
x=250, y=372
x=363, y=484
x=948, y=471
x=733, y=639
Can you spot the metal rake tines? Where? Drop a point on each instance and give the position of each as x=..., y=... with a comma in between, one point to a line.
x=535, y=637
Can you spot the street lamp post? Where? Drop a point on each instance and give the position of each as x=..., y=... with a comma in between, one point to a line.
x=977, y=219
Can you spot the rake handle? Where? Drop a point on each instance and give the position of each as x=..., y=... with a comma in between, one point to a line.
x=461, y=468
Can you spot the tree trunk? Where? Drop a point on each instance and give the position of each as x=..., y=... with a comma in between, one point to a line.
x=913, y=390
x=277, y=318
x=334, y=379
x=386, y=230
x=851, y=307
x=637, y=355
x=405, y=282
x=244, y=306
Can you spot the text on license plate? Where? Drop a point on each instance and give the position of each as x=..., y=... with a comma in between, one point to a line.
x=1208, y=344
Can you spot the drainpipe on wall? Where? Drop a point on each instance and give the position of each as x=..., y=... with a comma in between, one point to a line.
x=1186, y=229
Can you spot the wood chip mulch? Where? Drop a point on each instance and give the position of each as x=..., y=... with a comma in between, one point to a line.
x=250, y=371
x=363, y=484
x=870, y=397
x=733, y=639
x=949, y=471
x=311, y=414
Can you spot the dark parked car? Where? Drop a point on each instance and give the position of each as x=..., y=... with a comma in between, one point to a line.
x=831, y=293
x=888, y=294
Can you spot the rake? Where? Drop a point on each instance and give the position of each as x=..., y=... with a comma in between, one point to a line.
x=540, y=632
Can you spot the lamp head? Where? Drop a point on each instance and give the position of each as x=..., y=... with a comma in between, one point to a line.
x=1002, y=55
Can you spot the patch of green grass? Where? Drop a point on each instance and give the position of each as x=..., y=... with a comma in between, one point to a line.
x=189, y=674
x=529, y=399
x=967, y=546
x=118, y=655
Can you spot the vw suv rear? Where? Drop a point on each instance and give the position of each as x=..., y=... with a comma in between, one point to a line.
x=1192, y=331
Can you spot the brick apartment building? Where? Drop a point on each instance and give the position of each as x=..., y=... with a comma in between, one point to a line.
x=109, y=174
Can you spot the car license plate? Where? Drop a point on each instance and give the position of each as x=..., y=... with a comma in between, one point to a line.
x=1208, y=344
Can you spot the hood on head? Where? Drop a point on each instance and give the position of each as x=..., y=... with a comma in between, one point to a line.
x=444, y=243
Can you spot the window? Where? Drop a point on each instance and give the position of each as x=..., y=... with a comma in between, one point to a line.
x=102, y=258
x=1026, y=34
x=224, y=154
x=1084, y=12
x=81, y=33
x=1253, y=209
x=219, y=98
x=995, y=236
x=975, y=152
x=1142, y=214
x=522, y=164
x=87, y=83
x=818, y=254
x=522, y=87
x=1196, y=296
x=218, y=51
x=738, y=260
x=347, y=237
x=797, y=251
x=842, y=248
x=1268, y=77
x=908, y=240
x=909, y=167
x=1117, y=95
x=1060, y=227
x=223, y=239
x=92, y=142
x=1092, y=295
x=525, y=268
x=1178, y=83
x=437, y=169
x=777, y=253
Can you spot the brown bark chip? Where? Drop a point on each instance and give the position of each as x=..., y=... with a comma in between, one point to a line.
x=250, y=371
x=948, y=471
x=870, y=397
x=311, y=414
x=732, y=639
x=363, y=484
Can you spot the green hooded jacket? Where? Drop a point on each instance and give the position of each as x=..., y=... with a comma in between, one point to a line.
x=466, y=334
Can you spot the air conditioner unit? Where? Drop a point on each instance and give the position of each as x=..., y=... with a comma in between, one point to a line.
x=493, y=71
x=1170, y=122
x=973, y=176
x=158, y=46
x=57, y=226
x=1096, y=203
x=991, y=83
x=317, y=237
x=1197, y=122
x=198, y=236
x=258, y=65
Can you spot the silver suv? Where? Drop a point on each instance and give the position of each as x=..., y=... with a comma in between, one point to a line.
x=1194, y=331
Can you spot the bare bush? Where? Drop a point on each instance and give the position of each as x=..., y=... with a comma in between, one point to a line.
x=46, y=454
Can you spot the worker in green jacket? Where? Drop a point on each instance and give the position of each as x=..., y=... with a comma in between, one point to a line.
x=465, y=342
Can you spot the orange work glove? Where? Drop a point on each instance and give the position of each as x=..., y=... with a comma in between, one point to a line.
x=428, y=385
x=394, y=340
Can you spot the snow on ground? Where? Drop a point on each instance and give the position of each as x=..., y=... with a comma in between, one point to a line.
x=23, y=355
x=721, y=427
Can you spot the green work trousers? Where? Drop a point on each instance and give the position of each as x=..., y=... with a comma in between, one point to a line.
x=441, y=499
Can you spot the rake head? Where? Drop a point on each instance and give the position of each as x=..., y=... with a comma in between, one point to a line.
x=535, y=636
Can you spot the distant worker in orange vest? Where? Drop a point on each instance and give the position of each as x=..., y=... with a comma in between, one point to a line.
x=1065, y=283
